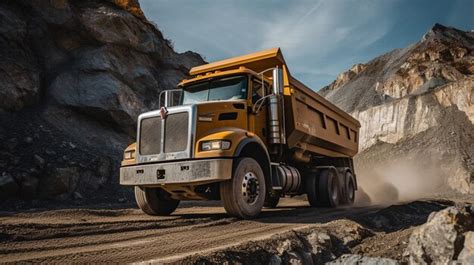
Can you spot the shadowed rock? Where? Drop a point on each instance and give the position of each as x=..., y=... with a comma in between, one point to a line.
x=78, y=72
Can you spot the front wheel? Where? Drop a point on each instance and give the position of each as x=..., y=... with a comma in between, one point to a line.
x=244, y=195
x=155, y=201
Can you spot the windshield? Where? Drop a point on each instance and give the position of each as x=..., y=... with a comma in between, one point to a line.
x=230, y=88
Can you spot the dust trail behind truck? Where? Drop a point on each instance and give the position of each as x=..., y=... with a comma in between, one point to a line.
x=244, y=131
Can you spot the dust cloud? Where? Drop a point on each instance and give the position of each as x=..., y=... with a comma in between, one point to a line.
x=401, y=180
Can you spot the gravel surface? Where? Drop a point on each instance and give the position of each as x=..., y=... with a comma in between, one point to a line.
x=201, y=232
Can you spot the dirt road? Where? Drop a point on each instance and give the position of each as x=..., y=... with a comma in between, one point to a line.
x=128, y=235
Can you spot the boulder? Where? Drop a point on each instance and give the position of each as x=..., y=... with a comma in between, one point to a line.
x=320, y=246
x=440, y=240
x=318, y=241
x=352, y=234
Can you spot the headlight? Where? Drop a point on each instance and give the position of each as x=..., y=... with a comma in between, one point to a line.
x=215, y=145
x=129, y=154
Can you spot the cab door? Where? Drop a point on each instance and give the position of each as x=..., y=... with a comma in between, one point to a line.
x=258, y=120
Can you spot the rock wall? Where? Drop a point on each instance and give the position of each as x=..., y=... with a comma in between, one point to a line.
x=408, y=116
x=74, y=75
x=415, y=104
x=444, y=55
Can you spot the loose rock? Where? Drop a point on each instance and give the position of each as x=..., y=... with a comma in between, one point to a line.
x=441, y=238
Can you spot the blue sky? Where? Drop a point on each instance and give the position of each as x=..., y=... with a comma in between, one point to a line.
x=319, y=39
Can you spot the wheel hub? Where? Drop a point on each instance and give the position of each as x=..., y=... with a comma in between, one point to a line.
x=250, y=188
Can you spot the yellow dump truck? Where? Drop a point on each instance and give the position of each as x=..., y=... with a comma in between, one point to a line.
x=244, y=131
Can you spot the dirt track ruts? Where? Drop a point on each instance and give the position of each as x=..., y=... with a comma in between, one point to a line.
x=127, y=235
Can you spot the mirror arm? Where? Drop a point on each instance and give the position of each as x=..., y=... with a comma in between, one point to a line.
x=259, y=102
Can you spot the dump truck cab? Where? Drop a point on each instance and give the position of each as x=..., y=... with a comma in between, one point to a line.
x=222, y=135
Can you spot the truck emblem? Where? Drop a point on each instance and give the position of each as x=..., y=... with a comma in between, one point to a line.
x=163, y=113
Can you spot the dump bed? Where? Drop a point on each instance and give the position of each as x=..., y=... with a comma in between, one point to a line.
x=316, y=125
x=311, y=122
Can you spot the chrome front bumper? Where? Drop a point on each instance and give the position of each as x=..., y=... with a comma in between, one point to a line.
x=184, y=172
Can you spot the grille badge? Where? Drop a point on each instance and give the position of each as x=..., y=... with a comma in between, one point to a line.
x=163, y=113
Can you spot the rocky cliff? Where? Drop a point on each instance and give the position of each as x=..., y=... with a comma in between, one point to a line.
x=416, y=107
x=74, y=75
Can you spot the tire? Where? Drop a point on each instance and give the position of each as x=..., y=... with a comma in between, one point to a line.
x=349, y=189
x=312, y=190
x=271, y=201
x=243, y=196
x=329, y=188
x=155, y=201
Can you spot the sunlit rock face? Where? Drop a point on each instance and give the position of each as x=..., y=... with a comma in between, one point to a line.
x=345, y=77
x=403, y=96
x=74, y=76
x=408, y=116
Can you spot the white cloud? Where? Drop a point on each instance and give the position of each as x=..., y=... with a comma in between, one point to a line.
x=320, y=38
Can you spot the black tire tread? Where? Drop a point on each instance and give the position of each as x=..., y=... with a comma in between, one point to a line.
x=345, y=198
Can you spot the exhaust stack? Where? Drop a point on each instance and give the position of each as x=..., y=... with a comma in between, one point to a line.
x=275, y=109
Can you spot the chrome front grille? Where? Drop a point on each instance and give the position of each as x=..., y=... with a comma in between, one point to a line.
x=150, y=136
x=176, y=132
x=168, y=139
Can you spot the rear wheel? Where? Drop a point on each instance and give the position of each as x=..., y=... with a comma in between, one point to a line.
x=244, y=195
x=155, y=201
x=323, y=189
x=312, y=190
x=349, y=189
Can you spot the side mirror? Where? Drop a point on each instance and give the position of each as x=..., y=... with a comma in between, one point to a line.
x=277, y=85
